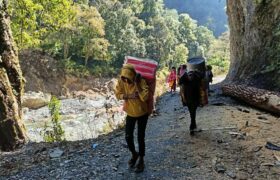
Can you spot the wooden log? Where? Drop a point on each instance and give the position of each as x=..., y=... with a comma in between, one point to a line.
x=260, y=98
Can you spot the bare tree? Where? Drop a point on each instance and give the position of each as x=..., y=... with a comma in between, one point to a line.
x=12, y=130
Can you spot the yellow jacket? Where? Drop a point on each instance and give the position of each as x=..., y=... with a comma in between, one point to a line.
x=133, y=107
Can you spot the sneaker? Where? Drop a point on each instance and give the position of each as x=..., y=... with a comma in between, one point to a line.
x=133, y=160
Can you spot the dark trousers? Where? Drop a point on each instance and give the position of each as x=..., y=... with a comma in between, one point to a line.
x=129, y=130
x=192, y=109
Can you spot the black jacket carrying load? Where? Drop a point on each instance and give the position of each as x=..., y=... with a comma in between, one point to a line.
x=192, y=84
x=190, y=87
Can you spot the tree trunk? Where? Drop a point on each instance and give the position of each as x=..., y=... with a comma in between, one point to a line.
x=12, y=130
x=254, y=43
x=264, y=99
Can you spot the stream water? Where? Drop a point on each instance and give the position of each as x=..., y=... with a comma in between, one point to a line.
x=80, y=118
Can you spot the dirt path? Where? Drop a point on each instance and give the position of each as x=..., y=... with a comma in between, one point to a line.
x=213, y=154
x=171, y=153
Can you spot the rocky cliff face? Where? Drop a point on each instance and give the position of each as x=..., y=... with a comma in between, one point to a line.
x=255, y=36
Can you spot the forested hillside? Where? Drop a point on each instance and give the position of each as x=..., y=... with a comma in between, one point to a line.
x=74, y=49
x=209, y=13
x=93, y=37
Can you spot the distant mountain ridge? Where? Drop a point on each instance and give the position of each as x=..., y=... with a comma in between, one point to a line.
x=210, y=13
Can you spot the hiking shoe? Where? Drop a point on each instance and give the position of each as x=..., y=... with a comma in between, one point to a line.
x=133, y=160
x=192, y=132
x=140, y=166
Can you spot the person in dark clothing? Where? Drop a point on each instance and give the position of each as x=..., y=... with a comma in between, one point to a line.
x=190, y=84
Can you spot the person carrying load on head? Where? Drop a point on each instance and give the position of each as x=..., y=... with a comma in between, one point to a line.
x=133, y=89
x=193, y=92
x=190, y=83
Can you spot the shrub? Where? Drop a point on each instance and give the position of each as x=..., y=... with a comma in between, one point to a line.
x=54, y=132
x=71, y=67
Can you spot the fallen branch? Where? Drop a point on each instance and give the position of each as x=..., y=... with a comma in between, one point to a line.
x=263, y=121
x=218, y=128
x=235, y=133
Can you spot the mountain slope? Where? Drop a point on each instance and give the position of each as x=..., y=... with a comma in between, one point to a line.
x=210, y=13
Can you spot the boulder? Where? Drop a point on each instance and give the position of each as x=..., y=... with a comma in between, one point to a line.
x=35, y=100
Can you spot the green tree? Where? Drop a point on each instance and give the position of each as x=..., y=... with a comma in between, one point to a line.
x=151, y=9
x=156, y=37
x=160, y=40
x=123, y=31
x=180, y=55
x=204, y=37
x=187, y=34
x=130, y=43
x=58, y=43
x=135, y=5
x=92, y=31
x=219, y=53
x=34, y=20
x=187, y=28
x=24, y=22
